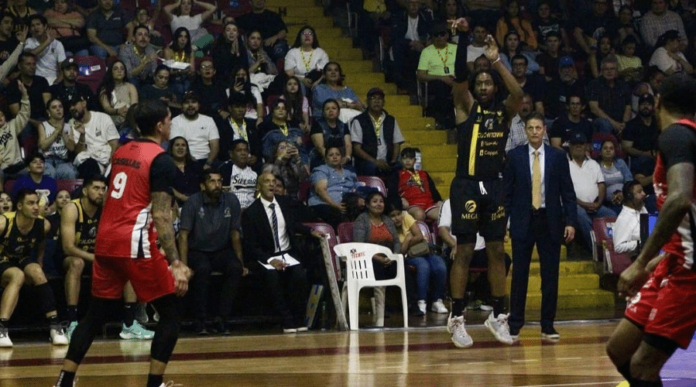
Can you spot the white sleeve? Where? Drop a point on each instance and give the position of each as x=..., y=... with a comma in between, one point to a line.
x=623, y=228
x=398, y=137
x=355, y=131
x=31, y=44
x=661, y=59
x=213, y=133
x=599, y=176
x=111, y=133
x=322, y=59
x=445, y=218
x=60, y=53
x=291, y=60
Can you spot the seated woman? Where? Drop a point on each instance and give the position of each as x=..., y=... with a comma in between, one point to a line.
x=512, y=21
x=181, y=52
x=297, y=103
x=616, y=173
x=228, y=53
x=116, y=94
x=374, y=226
x=427, y=265
x=277, y=129
x=242, y=84
x=512, y=47
x=66, y=25
x=180, y=14
x=187, y=170
x=286, y=163
x=604, y=49
x=5, y=203
x=330, y=181
x=332, y=88
x=668, y=56
x=55, y=141
x=142, y=17
x=262, y=69
x=328, y=130
x=306, y=60
x=161, y=90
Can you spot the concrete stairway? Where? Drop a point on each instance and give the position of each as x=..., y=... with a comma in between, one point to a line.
x=578, y=285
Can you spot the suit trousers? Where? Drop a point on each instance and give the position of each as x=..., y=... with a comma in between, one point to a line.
x=288, y=293
x=203, y=264
x=549, y=257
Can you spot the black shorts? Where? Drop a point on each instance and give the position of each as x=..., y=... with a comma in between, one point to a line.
x=477, y=206
x=21, y=264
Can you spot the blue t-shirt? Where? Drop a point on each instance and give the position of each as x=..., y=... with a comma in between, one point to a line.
x=47, y=188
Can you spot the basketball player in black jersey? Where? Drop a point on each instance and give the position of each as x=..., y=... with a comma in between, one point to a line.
x=21, y=233
x=483, y=124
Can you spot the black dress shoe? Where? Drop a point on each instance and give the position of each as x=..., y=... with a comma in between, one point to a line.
x=220, y=326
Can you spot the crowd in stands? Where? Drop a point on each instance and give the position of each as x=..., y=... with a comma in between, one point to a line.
x=246, y=103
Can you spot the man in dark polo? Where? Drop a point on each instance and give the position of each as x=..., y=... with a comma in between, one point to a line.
x=206, y=218
x=69, y=89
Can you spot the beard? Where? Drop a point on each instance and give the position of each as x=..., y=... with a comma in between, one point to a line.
x=79, y=115
x=190, y=114
x=95, y=202
x=645, y=113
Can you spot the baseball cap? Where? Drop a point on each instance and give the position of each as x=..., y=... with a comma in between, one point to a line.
x=566, y=61
x=438, y=28
x=375, y=90
x=191, y=95
x=578, y=138
x=646, y=98
x=66, y=64
x=78, y=98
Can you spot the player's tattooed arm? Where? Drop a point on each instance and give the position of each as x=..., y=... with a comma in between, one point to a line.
x=162, y=216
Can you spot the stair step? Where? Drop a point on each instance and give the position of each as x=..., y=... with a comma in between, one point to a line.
x=414, y=123
x=566, y=268
x=315, y=22
x=405, y=112
x=355, y=67
x=273, y=5
x=344, y=54
x=578, y=299
x=426, y=137
x=369, y=80
x=311, y=12
x=323, y=33
x=442, y=177
x=336, y=43
x=569, y=283
x=389, y=89
x=432, y=151
x=440, y=164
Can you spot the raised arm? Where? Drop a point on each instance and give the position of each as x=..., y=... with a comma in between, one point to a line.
x=169, y=8
x=514, y=100
x=463, y=100
x=209, y=9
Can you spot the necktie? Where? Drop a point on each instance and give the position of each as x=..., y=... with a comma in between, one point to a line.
x=274, y=220
x=536, y=182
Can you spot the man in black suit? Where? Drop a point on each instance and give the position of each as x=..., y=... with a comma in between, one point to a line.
x=539, y=194
x=269, y=236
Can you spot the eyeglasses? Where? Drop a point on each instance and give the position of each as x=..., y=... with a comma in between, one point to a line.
x=206, y=67
x=307, y=33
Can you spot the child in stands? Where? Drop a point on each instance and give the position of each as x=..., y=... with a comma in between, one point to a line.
x=416, y=189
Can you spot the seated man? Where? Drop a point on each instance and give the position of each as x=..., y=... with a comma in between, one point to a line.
x=140, y=58
x=22, y=233
x=105, y=28
x=270, y=238
x=609, y=98
x=409, y=35
x=199, y=130
x=79, y=220
x=627, y=225
x=415, y=189
x=44, y=185
x=272, y=28
x=588, y=182
x=11, y=163
x=376, y=137
x=238, y=175
x=436, y=67
x=210, y=239
x=68, y=89
x=570, y=123
x=95, y=136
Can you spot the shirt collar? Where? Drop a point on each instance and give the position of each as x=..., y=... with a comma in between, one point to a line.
x=532, y=150
x=266, y=203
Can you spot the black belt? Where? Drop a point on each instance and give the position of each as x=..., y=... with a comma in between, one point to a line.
x=539, y=212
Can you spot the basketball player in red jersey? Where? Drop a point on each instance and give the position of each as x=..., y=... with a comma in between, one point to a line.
x=661, y=316
x=137, y=209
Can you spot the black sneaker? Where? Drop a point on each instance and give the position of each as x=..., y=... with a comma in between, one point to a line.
x=199, y=328
x=550, y=335
x=220, y=326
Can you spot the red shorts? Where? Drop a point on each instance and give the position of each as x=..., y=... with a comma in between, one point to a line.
x=666, y=305
x=150, y=277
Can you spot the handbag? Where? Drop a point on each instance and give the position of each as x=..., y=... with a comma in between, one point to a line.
x=419, y=249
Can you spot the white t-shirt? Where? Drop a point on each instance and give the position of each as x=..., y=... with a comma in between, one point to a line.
x=198, y=133
x=445, y=220
x=98, y=132
x=295, y=60
x=58, y=149
x=472, y=53
x=191, y=23
x=664, y=62
x=48, y=61
x=585, y=179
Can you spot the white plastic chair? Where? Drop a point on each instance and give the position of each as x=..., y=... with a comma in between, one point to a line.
x=360, y=274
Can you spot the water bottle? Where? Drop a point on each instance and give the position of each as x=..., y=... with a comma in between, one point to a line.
x=419, y=161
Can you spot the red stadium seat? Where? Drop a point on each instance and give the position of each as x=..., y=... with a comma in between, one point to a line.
x=602, y=235
x=92, y=71
x=345, y=232
x=373, y=181
x=597, y=141
x=69, y=185
x=333, y=241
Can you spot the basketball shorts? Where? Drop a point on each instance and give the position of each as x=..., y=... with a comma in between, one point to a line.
x=21, y=264
x=477, y=206
x=666, y=305
x=150, y=277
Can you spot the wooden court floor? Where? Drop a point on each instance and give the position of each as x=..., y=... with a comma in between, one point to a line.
x=394, y=357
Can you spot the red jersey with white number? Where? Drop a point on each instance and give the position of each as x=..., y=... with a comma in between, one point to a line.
x=126, y=229
x=681, y=244
x=414, y=187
